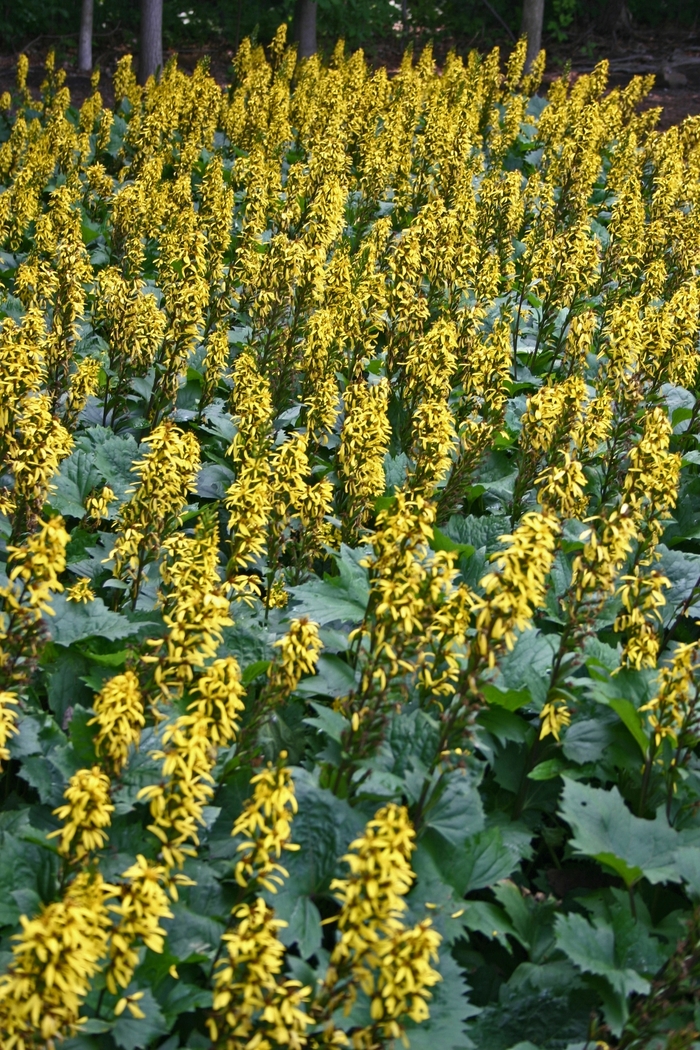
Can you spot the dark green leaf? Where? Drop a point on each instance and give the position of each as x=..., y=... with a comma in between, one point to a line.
x=75, y=621
x=605, y=829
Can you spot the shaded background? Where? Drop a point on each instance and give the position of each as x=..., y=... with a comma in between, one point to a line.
x=368, y=23
x=648, y=36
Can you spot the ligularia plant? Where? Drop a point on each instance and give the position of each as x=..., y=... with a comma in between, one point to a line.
x=350, y=578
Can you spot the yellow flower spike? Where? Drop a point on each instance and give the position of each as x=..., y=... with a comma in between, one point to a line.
x=119, y=713
x=266, y=827
x=190, y=742
x=364, y=440
x=166, y=475
x=97, y=505
x=554, y=716
x=434, y=443
x=195, y=605
x=651, y=484
x=85, y=815
x=250, y=999
x=8, y=722
x=299, y=650
x=561, y=488
x=553, y=412
x=56, y=956
x=517, y=590
x=391, y=962
x=141, y=904
x=666, y=712
x=81, y=591
x=279, y=597
x=642, y=599
x=83, y=384
x=249, y=498
x=38, y=563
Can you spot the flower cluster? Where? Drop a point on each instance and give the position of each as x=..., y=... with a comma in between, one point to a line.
x=250, y=1003
x=265, y=827
x=55, y=958
x=299, y=650
x=391, y=962
x=668, y=710
x=190, y=743
x=85, y=815
x=141, y=904
x=119, y=714
x=517, y=590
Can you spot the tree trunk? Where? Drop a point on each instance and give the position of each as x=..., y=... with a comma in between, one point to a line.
x=85, y=37
x=151, y=44
x=533, y=17
x=612, y=14
x=306, y=27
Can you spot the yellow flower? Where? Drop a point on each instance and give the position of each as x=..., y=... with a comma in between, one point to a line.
x=430, y=364
x=97, y=505
x=166, y=475
x=8, y=722
x=220, y=700
x=552, y=413
x=214, y=364
x=81, y=591
x=129, y=314
x=299, y=651
x=252, y=1007
x=142, y=903
x=364, y=441
x=561, y=488
x=289, y=467
x=190, y=744
x=119, y=713
x=38, y=563
x=278, y=597
x=404, y=975
x=554, y=716
x=130, y=1002
x=83, y=384
x=195, y=606
x=416, y=618
x=22, y=71
x=676, y=686
x=55, y=958
x=642, y=599
x=607, y=543
x=85, y=815
x=266, y=827
x=434, y=442
x=372, y=897
x=249, y=501
x=518, y=589
x=651, y=484
x=391, y=962
x=249, y=498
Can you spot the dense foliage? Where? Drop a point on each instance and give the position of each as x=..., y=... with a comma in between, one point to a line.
x=349, y=518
